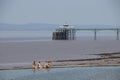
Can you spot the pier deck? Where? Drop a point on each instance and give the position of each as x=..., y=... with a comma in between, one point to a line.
x=99, y=29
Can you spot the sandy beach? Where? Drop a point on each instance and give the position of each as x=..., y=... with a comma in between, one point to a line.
x=26, y=52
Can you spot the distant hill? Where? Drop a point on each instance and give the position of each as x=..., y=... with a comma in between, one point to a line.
x=43, y=26
x=29, y=27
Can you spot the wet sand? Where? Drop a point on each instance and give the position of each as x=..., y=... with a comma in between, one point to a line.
x=113, y=59
x=26, y=52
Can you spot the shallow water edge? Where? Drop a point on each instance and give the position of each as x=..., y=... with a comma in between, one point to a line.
x=111, y=59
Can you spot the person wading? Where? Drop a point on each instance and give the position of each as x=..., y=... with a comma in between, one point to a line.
x=39, y=66
x=34, y=65
x=48, y=64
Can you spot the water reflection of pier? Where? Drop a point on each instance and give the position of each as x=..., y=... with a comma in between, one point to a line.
x=67, y=32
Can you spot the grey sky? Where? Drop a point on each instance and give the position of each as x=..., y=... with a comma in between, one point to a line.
x=60, y=11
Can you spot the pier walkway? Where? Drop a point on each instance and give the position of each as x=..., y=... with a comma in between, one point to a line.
x=95, y=30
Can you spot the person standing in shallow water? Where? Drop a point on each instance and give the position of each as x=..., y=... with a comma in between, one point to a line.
x=34, y=65
x=39, y=66
x=48, y=64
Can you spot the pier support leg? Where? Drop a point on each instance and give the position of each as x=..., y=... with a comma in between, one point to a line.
x=117, y=34
x=95, y=34
x=74, y=34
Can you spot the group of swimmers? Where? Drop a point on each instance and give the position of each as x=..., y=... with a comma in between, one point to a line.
x=39, y=65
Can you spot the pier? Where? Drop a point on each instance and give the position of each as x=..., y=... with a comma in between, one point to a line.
x=95, y=30
x=67, y=32
x=64, y=32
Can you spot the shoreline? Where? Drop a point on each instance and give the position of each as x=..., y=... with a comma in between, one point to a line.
x=19, y=55
x=105, y=60
x=72, y=66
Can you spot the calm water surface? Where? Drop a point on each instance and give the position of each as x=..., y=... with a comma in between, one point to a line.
x=78, y=73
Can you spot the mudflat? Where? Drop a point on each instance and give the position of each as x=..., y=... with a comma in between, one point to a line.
x=26, y=52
